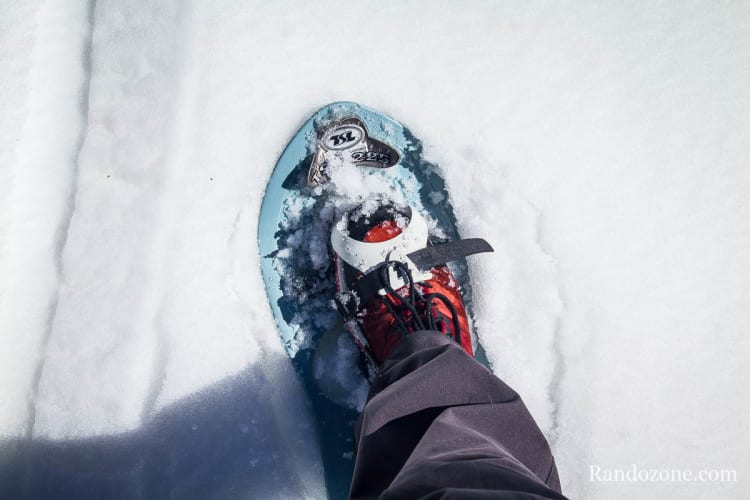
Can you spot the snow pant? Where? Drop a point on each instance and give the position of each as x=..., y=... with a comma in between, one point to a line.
x=438, y=424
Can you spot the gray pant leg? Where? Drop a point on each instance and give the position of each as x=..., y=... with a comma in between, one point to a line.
x=440, y=425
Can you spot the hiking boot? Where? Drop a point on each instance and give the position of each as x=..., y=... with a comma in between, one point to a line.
x=382, y=294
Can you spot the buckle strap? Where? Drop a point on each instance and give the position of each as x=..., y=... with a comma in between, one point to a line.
x=350, y=302
x=435, y=255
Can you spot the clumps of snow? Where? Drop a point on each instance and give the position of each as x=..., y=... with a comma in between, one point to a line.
x=349, y=182
x=436, y=197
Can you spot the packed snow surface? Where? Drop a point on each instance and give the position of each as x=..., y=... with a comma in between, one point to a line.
x=601, y=148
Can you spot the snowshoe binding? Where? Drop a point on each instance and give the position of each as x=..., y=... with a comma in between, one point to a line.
x=391, y=280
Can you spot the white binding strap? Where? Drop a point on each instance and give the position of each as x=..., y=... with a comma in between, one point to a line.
x=365, y=256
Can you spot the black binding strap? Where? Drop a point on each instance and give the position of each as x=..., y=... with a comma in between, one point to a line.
x=351, y=301
x=435, y=255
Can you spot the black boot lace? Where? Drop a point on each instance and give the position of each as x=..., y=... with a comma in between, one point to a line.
x=405, y=310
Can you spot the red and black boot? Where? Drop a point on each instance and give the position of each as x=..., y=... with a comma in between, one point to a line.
x=392, y=282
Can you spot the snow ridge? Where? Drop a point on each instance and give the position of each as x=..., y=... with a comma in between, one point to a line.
x=109, y=308
x=42, y=182
x=68, y=213
x=559, y=367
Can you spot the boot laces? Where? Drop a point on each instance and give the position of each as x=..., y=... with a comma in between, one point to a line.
x=405, y=310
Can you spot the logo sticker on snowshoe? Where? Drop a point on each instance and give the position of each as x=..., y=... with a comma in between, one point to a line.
x=343, y=137
x=346, y=141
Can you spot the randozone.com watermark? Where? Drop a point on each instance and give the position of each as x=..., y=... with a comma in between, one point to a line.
x=636, y=474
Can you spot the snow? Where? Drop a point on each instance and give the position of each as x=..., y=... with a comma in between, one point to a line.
x=600, y=148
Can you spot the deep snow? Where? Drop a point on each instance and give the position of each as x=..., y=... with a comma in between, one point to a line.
x=601, y=148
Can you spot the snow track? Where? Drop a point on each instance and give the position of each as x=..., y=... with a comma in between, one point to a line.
x=39, y=197
x=121, y=223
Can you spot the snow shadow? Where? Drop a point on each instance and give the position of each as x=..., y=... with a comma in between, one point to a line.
x=222, y=442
